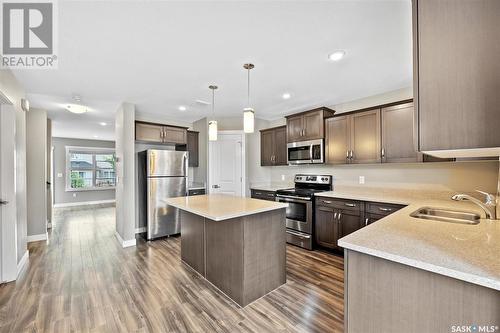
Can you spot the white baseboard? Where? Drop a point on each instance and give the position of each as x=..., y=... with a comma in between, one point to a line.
x=140, y=230
x=127, y=243
x=24, y=260
x=83, y=203
x=39, y=237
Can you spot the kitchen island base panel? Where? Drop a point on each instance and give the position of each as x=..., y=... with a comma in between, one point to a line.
x=385, y=296
x=245, y=257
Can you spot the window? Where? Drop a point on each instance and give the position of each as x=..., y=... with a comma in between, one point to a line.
x=90, y=168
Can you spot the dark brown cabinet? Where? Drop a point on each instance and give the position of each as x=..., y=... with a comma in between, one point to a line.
x=196, y=191
x=263, y=195
x=456, y=67
x=353, y=138
x=398, y=135
x=336, y=218
x=193, y=148
x=158, y=133
x=307, y=125
x=273, y=146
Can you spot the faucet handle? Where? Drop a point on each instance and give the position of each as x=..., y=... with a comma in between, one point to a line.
x=490, y=198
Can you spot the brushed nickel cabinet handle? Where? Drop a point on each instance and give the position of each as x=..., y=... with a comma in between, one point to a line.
x=326, y=201
x=351, y=155
x=350, y=204
x=382, y=153
x=339, y=217
x=366, y=221
x=335, y=216
x=384, y=209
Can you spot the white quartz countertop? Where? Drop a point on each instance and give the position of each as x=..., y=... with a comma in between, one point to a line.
x=220, y=207
x=466, y=252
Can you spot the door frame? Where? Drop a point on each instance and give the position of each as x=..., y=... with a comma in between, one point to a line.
x=8, y=234
x=243, y=160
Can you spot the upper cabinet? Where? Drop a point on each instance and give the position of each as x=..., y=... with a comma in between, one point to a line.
x=384, y=134
x=398, y=135
x=193, y=148
x=456, y=79
x=273, y=146
x=158, y=133
x=308, y=125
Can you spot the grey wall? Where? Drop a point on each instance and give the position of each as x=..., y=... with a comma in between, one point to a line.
x=36, y=171
x=59, y=153
x=14, y=91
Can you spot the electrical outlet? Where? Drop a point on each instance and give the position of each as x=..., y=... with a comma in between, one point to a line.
x=74, y=195
x=59, y=175
x=282, y=177
x=361, y=179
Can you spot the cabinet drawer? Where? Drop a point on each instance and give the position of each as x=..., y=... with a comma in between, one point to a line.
x=382, y=208
x=263, y=195
x=196, y=192
x=344, y=204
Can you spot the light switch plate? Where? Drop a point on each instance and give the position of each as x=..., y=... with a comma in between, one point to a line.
x=361, y=179
x=282, y=177
x=59, y=175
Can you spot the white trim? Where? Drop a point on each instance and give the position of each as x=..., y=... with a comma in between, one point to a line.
x=243, y=160
x=127, y=243
x=39, y=237
x=22, y=263
x=83, y=203
x=140, y=230
x=49, y=225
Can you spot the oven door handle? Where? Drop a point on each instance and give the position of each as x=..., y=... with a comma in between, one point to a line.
x=289, y=198
x=301, y=235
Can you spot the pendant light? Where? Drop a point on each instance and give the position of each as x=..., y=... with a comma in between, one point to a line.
x=212, y=124
x=248, y=112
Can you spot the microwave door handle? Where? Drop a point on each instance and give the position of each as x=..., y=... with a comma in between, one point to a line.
x=311, y=152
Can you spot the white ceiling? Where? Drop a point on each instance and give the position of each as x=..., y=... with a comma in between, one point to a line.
x=160, y=55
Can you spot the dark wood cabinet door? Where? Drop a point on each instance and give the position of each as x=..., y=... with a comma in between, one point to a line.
x=192, y=148
x=326, y=227
x=175, y=135
x=457, y=70
x=148, y=132
x=349, y=222
x=365, y=137
x=397, y=134
x=266, y=147
x=280, y=150
x=337, y=140
x=294, y=128
x=313, y=125
x=371, y=218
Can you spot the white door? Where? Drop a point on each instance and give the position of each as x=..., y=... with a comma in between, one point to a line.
x=8, y=255
x=226, y=166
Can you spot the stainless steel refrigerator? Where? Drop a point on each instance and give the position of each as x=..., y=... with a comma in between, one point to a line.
x=163, y=174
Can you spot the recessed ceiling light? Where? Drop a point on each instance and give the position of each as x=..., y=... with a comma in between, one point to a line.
x=182, y=108
x=337, y=55
x=76, y=108
x=286, y=95
x=103, y=124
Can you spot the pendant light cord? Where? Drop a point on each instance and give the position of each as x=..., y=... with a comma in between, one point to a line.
x=248, y=87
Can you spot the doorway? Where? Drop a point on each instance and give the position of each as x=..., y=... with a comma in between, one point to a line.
x=226, y=164
x=8, y=251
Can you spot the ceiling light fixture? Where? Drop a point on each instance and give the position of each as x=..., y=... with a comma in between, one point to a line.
x=212, y=124
x=337, y=55
x=103, y=124
x=248, y=112
x=182, y=108
x=286, y=95
x=76, y=108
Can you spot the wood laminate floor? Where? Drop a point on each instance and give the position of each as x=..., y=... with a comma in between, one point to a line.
x=81, y=280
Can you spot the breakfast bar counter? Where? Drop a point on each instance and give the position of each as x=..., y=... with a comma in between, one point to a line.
x=237, y=244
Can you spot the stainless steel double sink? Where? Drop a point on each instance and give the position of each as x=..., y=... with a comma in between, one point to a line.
x=444, y=215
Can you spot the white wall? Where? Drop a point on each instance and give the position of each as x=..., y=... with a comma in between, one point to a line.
x=36, y=171
x=13, y=90
x=125, y=173
x=59, y=183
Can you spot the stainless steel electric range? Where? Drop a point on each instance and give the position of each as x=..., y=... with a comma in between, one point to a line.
x=300, y=211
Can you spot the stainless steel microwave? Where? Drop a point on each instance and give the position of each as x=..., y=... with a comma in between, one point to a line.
x=306, y=152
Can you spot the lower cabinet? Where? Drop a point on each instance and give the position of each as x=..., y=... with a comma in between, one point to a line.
x=263, y=195
x=336, y=218
x=196, y=191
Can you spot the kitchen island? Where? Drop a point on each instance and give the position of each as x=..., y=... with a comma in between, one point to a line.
x=237, y=244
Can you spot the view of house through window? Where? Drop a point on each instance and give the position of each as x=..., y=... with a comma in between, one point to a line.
x=90, y=168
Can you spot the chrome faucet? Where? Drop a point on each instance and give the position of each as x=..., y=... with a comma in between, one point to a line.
x=489, y=207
